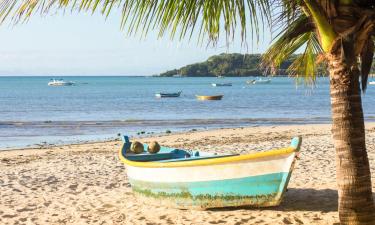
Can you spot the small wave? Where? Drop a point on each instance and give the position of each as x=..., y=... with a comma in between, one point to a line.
x=135, y=122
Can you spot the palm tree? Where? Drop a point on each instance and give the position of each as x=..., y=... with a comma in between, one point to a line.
x=336, y=32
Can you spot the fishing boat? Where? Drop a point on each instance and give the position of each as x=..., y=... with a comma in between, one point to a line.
x=221, y=84
x=371, y=82
x=250, y=81
x=190, y=179
x=209, y=97
x=60, y=82
x=168, y=95
x=262, y=81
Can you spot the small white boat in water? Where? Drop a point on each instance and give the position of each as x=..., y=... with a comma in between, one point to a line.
x=221, y=84
x=371, y=82
x=60, y=82
x=262, y=81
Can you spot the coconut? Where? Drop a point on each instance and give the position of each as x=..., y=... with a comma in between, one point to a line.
x=153, y=147
x=137, y=147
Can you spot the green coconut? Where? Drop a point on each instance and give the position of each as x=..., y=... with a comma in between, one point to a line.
x=137, y=147
x=153, y=147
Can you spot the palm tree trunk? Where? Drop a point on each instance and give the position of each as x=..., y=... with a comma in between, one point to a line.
x=356, y=205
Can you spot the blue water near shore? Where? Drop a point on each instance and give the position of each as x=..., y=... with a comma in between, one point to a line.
x=100, y=107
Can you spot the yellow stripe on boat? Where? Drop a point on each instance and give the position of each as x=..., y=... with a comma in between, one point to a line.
x=213, y=161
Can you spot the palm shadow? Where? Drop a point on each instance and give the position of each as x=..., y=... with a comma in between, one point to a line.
x=322, y=200
x=296, y=199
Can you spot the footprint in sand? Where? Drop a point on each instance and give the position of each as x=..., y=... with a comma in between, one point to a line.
x=26, y=209
x=9, y=216
x=73, y=187
x=287, y=221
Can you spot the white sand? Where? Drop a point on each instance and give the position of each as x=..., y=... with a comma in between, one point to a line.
x=87, y=184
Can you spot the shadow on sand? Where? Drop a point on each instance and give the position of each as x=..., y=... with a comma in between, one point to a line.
x=322, y=200
x=295, y=199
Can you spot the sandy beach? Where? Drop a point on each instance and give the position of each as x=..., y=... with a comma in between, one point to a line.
x=87, y=184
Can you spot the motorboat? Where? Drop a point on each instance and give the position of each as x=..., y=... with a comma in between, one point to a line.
x=262, y=81
x=60, y=82
x=168, y=95
x=221, y=84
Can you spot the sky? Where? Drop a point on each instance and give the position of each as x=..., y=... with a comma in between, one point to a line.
x=85, y=44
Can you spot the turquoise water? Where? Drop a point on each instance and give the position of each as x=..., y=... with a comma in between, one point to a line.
x=100, y=107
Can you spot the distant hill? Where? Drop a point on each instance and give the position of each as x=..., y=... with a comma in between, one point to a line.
x=235, y=65
x=230, y=65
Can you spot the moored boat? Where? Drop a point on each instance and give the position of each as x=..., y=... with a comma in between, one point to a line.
x=60, y=82
x=262, y=81
x=250, y=81
x=221, y=84
x=371, y=82
x=194, y=179
x=168, y=95
x=209, y=97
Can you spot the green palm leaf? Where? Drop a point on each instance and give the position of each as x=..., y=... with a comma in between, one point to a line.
x=213, y=18
x=297, y=34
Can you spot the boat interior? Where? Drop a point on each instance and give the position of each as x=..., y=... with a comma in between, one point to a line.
x=167, y=154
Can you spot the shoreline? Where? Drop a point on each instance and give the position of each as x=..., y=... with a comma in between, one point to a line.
x=57, y=133
x=47, y=145
x=165, y=136
x=87, y=184
x=146, y=135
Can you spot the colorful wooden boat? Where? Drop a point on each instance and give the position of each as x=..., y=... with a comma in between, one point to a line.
x=168, y=95
x=209, y=97
x=194, y=179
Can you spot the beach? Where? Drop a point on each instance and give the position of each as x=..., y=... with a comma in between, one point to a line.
x=87, y=184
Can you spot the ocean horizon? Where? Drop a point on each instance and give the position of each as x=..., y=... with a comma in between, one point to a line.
x=101, y=107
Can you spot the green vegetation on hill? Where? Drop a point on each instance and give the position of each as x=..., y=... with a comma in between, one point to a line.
x=231, y=65
x=234, y=65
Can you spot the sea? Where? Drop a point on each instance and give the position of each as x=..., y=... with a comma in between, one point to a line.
x=100, y=108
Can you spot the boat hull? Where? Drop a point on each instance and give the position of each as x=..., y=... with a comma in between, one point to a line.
x=262, y=81
x=212, y=97
x=168, y=95
x=60, y=83
x=66, y=84
x=221, y=85
x=256, y=182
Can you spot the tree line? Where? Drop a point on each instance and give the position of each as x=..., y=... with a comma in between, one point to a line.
x=235, y=65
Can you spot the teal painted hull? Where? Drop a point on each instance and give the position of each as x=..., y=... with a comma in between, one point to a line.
x=260, y=191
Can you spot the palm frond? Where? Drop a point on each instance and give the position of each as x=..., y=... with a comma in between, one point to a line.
x=213, y=18
x=306, y=65
x=287, y=42
x=297, y=34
